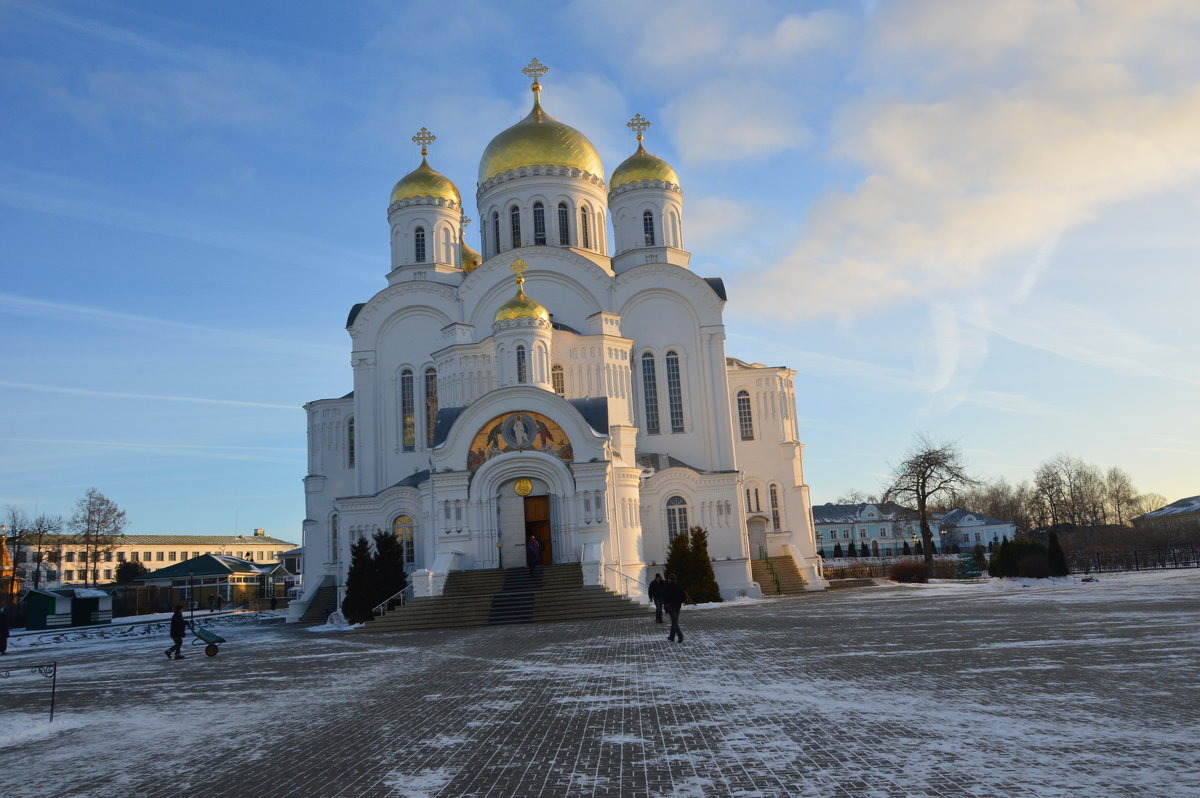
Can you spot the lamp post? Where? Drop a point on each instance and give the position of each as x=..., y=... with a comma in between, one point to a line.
x=191, y=597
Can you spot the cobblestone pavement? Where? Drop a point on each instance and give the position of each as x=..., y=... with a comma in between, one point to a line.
x=1080, y=689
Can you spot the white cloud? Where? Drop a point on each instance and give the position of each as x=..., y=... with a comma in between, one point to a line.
x=732, y=120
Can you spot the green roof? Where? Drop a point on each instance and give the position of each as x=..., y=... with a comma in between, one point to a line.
x=210, y=565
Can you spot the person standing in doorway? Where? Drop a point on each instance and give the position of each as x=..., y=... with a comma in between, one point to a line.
x=673, y=598
x=533, y=554
x=655, y=592
x=178, y=628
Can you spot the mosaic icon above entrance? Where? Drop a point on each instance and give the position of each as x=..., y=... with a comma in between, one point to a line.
x=519, y=432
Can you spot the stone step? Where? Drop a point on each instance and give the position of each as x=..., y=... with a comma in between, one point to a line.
x=322, y=604
x=777, y=576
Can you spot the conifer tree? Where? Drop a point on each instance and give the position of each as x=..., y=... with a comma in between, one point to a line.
x=862, y=550
x=388, y=566
x=356, y=604
x=703, y=587
x=679, y=558
x=1058, y=558
x=907, y=550
x=837, y=549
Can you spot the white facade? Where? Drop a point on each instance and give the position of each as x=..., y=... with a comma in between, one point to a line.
x=883, y=528
x=966, y=530
x=589, y=401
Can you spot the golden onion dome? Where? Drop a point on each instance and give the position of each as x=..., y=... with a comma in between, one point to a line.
x=642, y=166
x=470, y=258
x=425, y=182
x=521, y=306
x=539, y=140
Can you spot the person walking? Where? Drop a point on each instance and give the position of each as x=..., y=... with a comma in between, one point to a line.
x=3, y=631
x=673, y=598
x=533, y=554
x=178, y=628
x=655, y=592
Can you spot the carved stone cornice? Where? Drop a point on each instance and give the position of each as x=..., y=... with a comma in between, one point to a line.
x=672, y=187
x=440, y=202
x=536, y=171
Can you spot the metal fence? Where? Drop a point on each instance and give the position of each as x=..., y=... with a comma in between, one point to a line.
x=1135, y=559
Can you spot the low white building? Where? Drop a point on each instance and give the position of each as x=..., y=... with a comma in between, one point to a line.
x=882, y=528
x=967, y=530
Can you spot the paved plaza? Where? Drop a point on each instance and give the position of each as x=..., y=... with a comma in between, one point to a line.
x=1079, y=689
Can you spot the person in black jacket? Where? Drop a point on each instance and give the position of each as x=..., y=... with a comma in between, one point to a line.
x=655, y=593
x=178, y=628
x=3, y=632
x=673, y=598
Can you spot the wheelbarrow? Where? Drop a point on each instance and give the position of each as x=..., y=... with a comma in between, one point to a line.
x=210, y=640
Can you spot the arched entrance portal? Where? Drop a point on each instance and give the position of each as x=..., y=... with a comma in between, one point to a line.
x=523, y=507
x=756, y=532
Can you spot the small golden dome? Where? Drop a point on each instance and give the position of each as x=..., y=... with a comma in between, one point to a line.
x=470, y=258
x=521, y=306
x=642, y=166
x=539, y=140
x=425, y=182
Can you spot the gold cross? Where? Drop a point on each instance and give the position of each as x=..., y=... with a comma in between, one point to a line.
x=424, y=138
x=465, y=221
x=638, y=124
x=518, y=268
x=535, y=70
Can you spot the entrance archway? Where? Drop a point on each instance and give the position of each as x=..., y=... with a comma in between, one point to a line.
x=756, y=533
x=523, y=506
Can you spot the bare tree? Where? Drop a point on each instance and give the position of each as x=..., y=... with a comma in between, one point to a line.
x=930, y=471
x=855, y=496
x=44, y=540
x=97, y=524
x=16, y=524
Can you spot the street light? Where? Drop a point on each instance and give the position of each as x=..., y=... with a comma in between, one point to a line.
x=191, y=597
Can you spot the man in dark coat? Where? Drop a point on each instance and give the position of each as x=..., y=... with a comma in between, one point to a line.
x=533, y=553
x=3, y=632
x=178, y=629
x=655, y=592
x=673, y=598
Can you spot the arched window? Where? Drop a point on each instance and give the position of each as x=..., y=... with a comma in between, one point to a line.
x=408, y=412
x=402, y=529
x=677, y=520
x=495, y=233
x=650, y=393
x=431, y=405
x=514, y=217
x=350, y=442
x=674, y=392
x=557, y=379
x=522, y=367
x=564, y=225
x=539, y=223
x=333, y=538
x=745, y=420
x=648, y=228
x=585, y=238
x=419, y=244
x=757, y=502
x=774, y=494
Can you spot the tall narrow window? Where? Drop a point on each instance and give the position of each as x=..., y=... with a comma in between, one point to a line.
x=350, y=442
x=408, y=411
x=757, y=503
x=650, y=393
x=674, y=392
x=648, y=228
x=402, y=529
x=522, y=367
x=333, y=538
x=557, y=379
x=431, y=405
x=564, y=225
x=774, y=494
x=496, y=233
x=539, y=223
x=585, y=238
x=514, y=217
x=745, y=419
x=419, y=244
x=677, y=521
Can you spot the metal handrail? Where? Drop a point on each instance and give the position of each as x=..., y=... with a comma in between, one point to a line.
x=625, y=577
x=402, y=596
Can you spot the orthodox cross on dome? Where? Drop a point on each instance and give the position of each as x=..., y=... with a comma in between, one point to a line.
x=462, y=233
x=519, y=267
x=638, y=124
x=424, y=138
x=535, y=70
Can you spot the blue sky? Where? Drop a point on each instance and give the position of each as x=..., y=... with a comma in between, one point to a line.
x=976, y=220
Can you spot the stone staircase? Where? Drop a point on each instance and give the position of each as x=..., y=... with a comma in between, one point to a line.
x=323, y=603
x=777, y=576
x=510, y=596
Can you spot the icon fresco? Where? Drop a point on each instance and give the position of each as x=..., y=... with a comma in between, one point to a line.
x=519, y=432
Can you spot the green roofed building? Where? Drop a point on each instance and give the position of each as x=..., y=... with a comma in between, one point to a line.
x=212, y=577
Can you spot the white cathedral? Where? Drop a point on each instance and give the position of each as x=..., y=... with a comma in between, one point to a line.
x=548, y=387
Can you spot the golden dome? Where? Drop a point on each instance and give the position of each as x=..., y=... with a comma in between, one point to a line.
x=539, y=140
x=425, y=182
x=642, y=166
x=521, y=306
x=470, y=258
